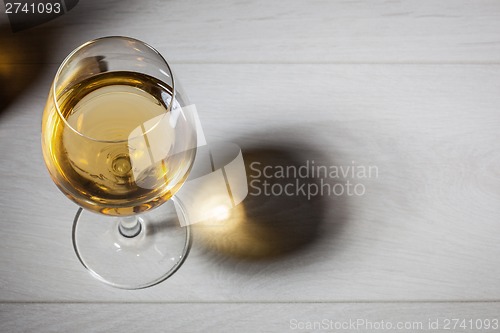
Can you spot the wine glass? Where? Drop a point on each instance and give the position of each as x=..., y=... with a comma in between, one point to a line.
x=118, y=138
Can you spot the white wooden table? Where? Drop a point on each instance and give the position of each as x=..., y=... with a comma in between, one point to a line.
x=411, y=87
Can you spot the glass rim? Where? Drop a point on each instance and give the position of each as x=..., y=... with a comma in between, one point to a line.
x=93, y=41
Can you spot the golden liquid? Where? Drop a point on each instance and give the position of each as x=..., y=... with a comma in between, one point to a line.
x=122, y=155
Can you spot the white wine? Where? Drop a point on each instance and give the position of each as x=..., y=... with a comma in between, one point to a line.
x=118, y=150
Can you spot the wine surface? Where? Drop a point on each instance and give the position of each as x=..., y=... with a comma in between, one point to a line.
x=119, y=150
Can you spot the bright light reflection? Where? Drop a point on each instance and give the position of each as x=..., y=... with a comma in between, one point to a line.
x=163, y=72
x=220, y=213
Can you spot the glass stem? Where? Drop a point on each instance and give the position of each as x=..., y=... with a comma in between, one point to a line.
x=129, y=226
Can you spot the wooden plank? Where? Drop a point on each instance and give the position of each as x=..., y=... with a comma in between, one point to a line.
x=252, y=317
x=299, y=31
x=425, y=229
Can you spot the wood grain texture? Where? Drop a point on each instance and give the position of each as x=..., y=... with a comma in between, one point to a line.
x=299, y=31
x=253, y=317
x=425, y=229
x=408, y=86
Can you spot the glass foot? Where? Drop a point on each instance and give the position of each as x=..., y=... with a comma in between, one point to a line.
x=132, y=261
